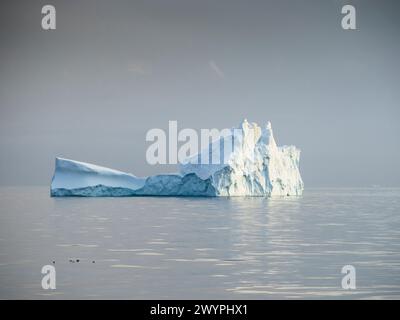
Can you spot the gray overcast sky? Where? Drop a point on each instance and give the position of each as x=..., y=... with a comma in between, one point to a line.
x=112, y=70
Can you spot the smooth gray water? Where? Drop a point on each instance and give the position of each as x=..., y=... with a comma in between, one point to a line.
x=181, y=248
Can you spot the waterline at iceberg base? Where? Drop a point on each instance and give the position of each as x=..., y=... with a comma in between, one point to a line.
x=255, y=166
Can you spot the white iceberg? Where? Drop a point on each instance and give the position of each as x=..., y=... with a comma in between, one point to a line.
x=255, y=166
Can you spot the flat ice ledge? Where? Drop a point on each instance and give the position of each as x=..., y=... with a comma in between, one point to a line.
x=73, y=178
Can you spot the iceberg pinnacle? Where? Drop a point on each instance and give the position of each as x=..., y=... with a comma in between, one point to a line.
x=253, y=165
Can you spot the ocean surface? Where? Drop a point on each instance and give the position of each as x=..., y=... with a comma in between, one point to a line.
x=201, y=248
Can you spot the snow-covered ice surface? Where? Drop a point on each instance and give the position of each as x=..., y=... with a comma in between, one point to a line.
x=253, y=165
x=73, y=178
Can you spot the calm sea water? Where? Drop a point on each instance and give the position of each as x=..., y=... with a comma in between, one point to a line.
x=182, y=248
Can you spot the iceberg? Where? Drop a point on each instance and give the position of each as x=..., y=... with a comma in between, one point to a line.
x=253, y=166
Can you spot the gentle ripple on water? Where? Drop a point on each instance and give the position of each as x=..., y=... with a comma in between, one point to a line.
x=229, y=248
